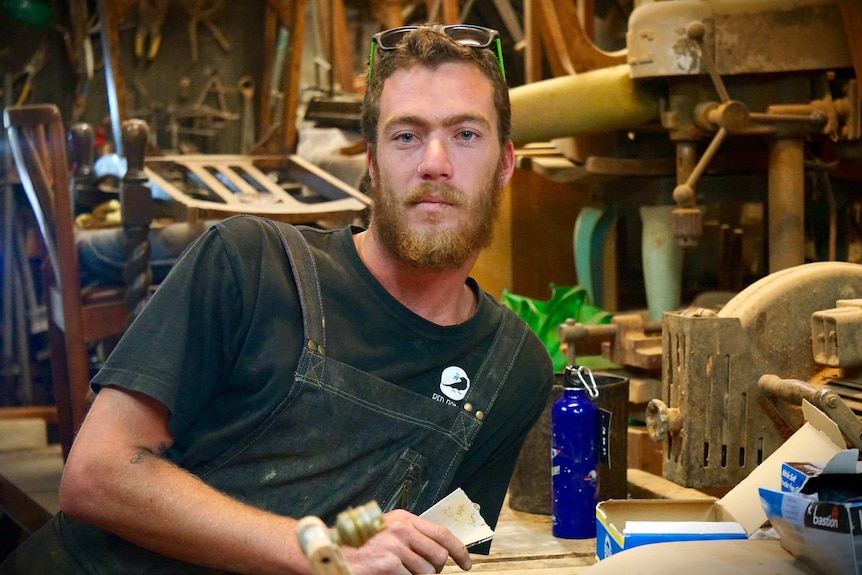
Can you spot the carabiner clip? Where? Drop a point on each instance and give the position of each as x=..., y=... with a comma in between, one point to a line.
x=591, y=386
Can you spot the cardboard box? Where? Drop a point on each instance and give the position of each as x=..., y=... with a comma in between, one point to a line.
x=811, y=477
x=818, y=512
x=817, y=440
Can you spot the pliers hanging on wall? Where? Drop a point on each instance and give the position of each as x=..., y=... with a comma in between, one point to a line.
x=148, y=36
x=37, y=61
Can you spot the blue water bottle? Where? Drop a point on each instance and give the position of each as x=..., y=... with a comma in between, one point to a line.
x=575, y=430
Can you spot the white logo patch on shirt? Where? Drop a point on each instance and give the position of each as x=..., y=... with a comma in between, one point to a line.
x=454, y=383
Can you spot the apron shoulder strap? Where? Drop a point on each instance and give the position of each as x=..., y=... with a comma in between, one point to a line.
x=307, y=283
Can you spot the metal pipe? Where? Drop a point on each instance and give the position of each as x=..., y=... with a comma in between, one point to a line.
x=602, y=100
x=686, y=159
x=786, y=204
x=662, y=260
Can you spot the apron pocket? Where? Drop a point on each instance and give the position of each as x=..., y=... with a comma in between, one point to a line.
x=404, y=484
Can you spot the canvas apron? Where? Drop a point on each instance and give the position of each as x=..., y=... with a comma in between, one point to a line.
x=341, y=437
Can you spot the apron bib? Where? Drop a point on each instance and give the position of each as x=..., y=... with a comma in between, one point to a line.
x=343, y=437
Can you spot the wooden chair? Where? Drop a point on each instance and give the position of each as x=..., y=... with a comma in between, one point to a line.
x=78, y=317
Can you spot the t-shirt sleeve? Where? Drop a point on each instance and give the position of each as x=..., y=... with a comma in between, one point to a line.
x=187, y=334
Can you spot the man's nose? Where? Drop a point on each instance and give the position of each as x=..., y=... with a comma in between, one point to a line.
x=435, y=161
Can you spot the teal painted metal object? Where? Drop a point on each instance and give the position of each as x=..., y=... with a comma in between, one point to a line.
x=590, y=237
x=662, y=260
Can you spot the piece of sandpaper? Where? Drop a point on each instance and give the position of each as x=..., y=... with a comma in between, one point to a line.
x=461, y=516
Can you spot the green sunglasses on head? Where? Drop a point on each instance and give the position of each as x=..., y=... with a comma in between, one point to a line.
x=465, y=34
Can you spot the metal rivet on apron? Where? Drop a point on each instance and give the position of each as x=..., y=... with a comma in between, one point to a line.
x=480, y=415
x=313, y=346
x=468, y=407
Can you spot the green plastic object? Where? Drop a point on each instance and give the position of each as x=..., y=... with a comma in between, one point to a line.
x=32, y=12
x=544, y=317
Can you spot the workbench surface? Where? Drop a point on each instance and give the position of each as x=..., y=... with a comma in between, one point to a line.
x=523, y=544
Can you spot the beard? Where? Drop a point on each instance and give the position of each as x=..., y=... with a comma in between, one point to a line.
x=432, y=248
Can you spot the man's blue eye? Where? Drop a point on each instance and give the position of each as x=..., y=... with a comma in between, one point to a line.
x=467, y=135
x=406, y=138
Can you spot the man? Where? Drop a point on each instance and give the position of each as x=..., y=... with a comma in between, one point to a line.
x=278, y=374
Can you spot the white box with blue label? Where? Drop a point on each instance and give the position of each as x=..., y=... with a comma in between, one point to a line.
x=736, y=515
x=818, y=512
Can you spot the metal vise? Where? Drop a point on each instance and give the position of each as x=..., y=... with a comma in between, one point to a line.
x=721, y=411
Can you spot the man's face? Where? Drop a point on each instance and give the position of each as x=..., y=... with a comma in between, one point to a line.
x=444, y=121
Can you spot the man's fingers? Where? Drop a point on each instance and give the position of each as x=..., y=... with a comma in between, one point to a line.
x=416, y=563
x=419, y=545
x=445, y=539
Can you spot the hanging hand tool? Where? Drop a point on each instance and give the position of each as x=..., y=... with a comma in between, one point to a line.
x=214, y=87
x=276, y=96
x=148, y=36
x=30, y=70
x=246, y=90
x=80, y=51
x=202, y=12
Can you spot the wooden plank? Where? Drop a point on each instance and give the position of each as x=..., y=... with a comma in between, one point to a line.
x=342, y=50
x=643, y=485
x=554, y=168
x=451, y=14
x=533, y=56
x=851, y=15
x=46, y=412
x=23, y=433
x=642, y=452
x=523, y=544
x=535, y=567
x=29, y=482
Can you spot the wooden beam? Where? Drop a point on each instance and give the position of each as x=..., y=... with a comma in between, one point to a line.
x=290, y=16
x=342, y=54
x=851, y=15
x=29, y=482
x=393, y=14
x=450, y=12
x=555, y=31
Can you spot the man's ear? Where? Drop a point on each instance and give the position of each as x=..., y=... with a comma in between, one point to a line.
x=508, y=160
x=369, y=161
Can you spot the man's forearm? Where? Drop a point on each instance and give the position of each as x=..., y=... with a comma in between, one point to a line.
x=116, y=478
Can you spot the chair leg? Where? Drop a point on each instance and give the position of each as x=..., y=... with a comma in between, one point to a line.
x=62, y=387
x=70, y=367
x=78, y=369
x=25, y=382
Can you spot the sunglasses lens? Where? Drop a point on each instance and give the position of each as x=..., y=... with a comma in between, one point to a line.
x=472, y=37
x=389, y=39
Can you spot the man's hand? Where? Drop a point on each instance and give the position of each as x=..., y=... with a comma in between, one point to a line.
x=409, y=544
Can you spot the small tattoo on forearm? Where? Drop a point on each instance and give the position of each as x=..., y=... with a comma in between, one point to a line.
x=144, y=453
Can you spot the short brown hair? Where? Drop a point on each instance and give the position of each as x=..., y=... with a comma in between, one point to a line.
x=428, y=46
